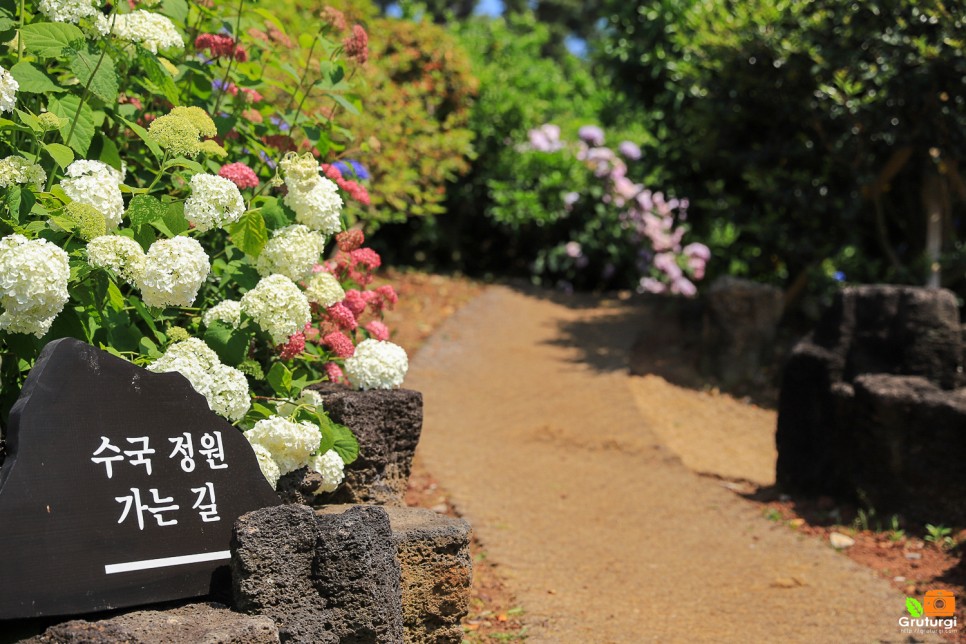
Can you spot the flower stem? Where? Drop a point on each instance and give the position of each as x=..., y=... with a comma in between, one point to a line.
x=231, y=60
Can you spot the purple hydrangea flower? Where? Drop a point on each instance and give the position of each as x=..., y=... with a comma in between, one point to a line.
x=545, y=138
x=591, y=135
x=280, y=123
x=267, y=159
x=631, y=151
x=360, y=170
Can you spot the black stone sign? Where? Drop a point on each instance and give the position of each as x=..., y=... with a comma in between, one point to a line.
x=120, y=487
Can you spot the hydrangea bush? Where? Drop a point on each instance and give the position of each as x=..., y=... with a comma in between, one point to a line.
x=154, y=204
x=595, y=224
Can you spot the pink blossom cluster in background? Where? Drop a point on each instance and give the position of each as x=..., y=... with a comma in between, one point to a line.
x=653, y=221
x=357, y=45
x=221, y=46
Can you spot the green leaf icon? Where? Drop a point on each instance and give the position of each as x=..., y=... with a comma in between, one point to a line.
x=913, y=606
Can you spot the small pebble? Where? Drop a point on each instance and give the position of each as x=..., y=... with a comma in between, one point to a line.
x=914, y=555
x=840, y=541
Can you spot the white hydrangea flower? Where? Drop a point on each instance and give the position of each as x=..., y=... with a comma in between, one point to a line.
x=317, y=208
x=324, y=289
x=18, y=171
x=278, y=307
x=215, y=202
x=174, y=270
x=224, y=387
x=301, y=172
x=314, y=198
x=8, y=91
x=292, y=251
x=122, y=255
x=290, y=443
x=33, y=284
x=151, y=30
x=332, y=468
x=67, y=10
x=267, y=464
x=96, y=184
x=377, y=364
x=227, y=311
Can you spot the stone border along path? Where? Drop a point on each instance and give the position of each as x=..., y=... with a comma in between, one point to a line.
x=600, y=530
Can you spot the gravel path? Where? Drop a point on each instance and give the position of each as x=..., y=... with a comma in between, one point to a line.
x=564, y=465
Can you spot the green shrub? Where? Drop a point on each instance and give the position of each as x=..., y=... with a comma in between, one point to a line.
x=411, y=133
x=801, y=129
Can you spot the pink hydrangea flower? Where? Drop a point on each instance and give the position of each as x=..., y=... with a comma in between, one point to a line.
x=334, y=372
x=339, y=343
x=350, y=240
x=355, y=301
x=342, y=316
x=239, y=174
x=377, y=330
x=388, y=294
x=294, y=347
x=367, y=257
x=311, y=333
x=331, y=171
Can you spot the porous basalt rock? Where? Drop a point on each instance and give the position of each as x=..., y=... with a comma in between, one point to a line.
x=387, y=424
x=206, y=622
x=327, y=578
x=870, y=407
x=740, y=322
x=436, y=571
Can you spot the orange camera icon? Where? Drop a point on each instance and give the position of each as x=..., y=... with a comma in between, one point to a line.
x=939, y=603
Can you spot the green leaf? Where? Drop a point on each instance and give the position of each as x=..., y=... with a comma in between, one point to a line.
x=345, y=444
x=114, y=296
x=328, y=434
x=32, y=80
x=49, y=39
x=147, y=347
x=64, y=222
x=144, y=209
x=172, y=223
x=104, y=149
x=188, y=164
x=144, y=136
x=158, y=76
x=61, y=154
x=249, y=233
x=280, y=379
x=148, y=318
x=913, y=606
x=30, y=120
x=18, y=201
x=70, y=108
x=97, y=73
x=230, y=344
x=350, y=107
x=177, y=10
